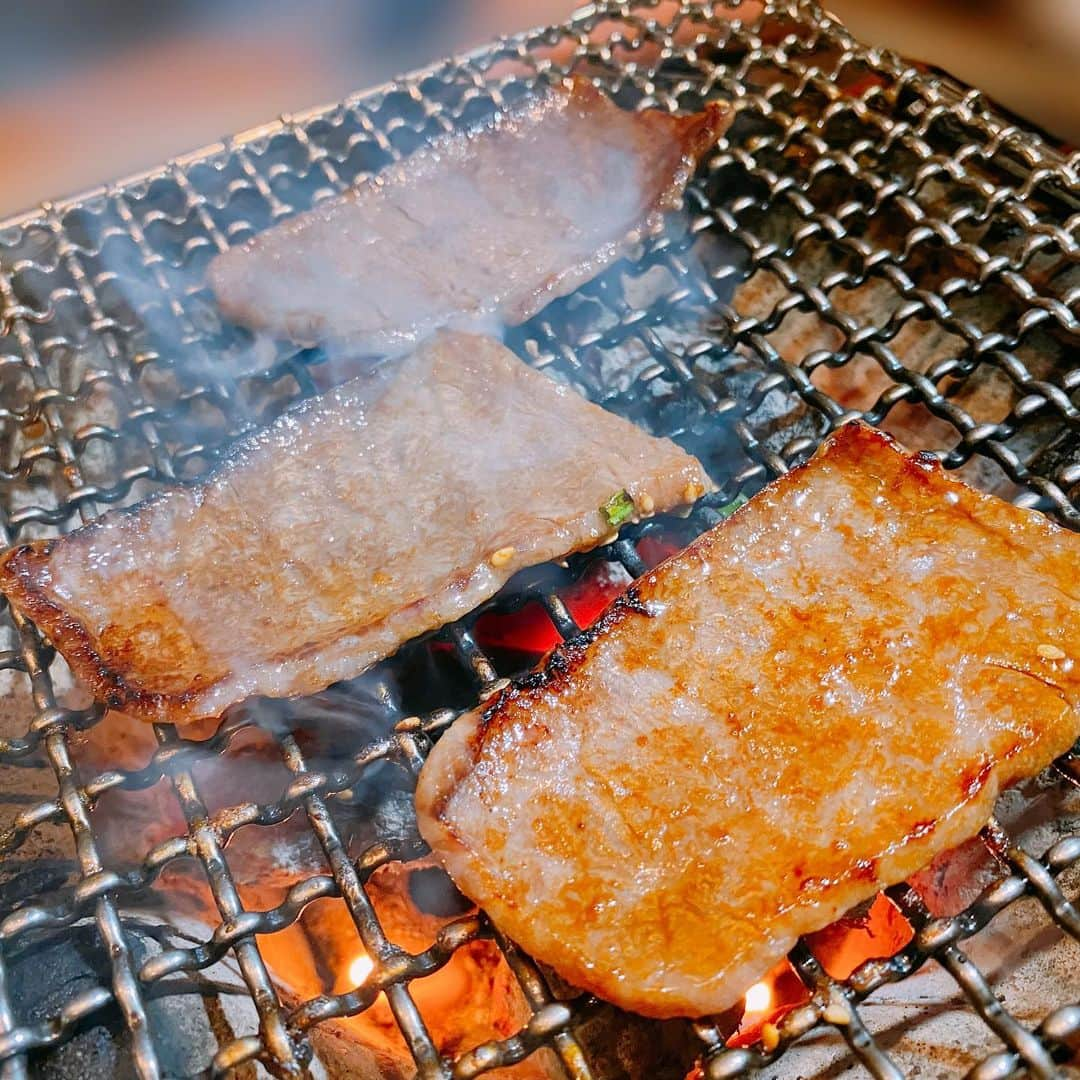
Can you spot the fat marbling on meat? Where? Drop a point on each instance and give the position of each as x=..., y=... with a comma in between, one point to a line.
x=801, y=708
x=354, y=522
x=481, y=228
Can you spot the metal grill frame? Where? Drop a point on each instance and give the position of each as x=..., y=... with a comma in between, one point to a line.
x=667, y=63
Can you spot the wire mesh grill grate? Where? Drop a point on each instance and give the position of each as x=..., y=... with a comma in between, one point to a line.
x=869, y=240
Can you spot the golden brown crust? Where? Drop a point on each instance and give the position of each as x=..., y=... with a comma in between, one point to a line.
x=804, y=706
x=23, y=577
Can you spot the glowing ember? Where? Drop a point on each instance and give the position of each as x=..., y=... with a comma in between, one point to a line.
x=530, y=630
x=880, y=932
x=360, y=969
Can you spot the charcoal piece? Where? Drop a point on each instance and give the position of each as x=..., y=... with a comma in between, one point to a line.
x=47, y=973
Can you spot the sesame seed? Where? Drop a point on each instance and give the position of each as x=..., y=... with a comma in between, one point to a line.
x=770, y=1037
x=503, y=556
x=1051, y=652
x=646, y=503
x=836, y=1012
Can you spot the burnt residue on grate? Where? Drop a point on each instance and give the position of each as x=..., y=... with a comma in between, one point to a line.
x=868, y=240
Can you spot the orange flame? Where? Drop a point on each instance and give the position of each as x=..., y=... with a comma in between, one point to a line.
x=766, y=1003
x=758, y=1000
x=360, y=969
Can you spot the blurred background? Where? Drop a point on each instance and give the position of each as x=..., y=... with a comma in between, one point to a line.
x=93, y=89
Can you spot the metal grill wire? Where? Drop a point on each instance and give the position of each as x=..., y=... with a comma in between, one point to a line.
x=116, y=377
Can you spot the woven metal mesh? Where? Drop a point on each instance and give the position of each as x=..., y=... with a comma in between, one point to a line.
x=869, y=240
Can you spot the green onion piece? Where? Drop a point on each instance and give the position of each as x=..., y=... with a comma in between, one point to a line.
x=729, y=508
x=618, y=508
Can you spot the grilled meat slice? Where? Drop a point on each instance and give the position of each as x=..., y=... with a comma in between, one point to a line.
x=356, y=521
x=480, y=228
x=804, y=706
